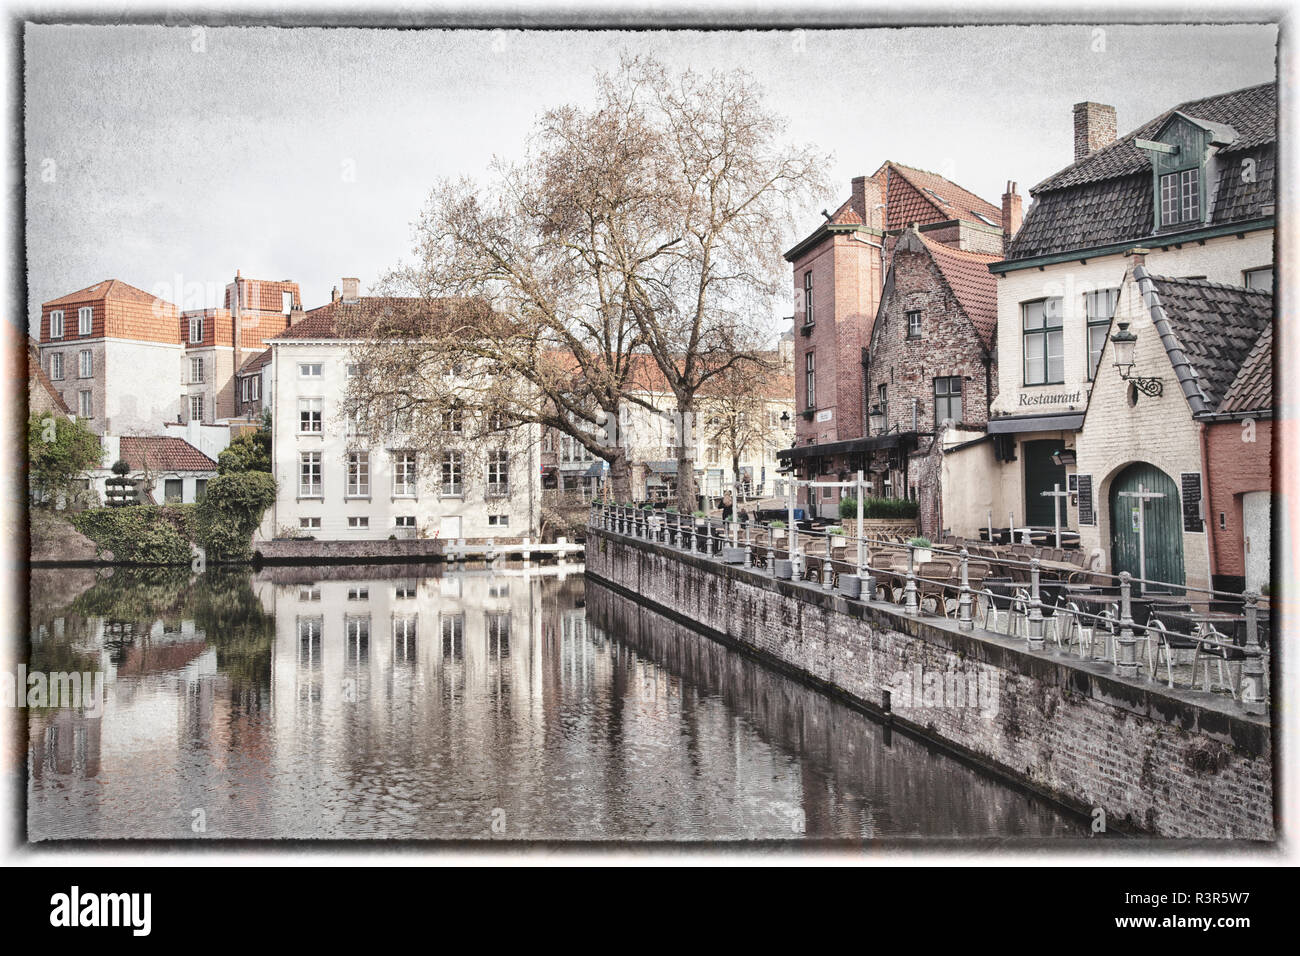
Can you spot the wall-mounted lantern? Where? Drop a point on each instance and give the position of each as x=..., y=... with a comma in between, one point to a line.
x=1125, y=342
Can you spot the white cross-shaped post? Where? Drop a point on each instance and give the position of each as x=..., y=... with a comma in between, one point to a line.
x=1057, y=494
x=1143, y=495
x=990, y=527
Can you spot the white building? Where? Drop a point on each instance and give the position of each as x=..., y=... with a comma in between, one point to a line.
x=337, y=484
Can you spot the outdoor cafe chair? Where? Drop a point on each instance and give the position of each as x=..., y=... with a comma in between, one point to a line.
x=1225, y=654
x=1167, y=642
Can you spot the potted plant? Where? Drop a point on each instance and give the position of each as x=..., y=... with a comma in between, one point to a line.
x=837, y=536
x=921, y=548
x=701, y=517
x=776, y=525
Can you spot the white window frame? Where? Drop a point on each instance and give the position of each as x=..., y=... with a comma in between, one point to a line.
x=202, y=404
x=85, y=364
x=405, y=475
x=196, y=370
x=56, y=323
x=56, y=366
x=85, y=320
x=86, y=403
x=498, y=473
x=311, y=416
x=359, y=522
x=309, y=524
x=358, y=474
x=196, y=330
x=452, y=474
x=305, y=370
x=311, y=480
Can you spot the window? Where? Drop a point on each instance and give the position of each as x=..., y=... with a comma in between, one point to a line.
x=173, y=490
x=882, y=399
x=200, y=488
x=711, y=454
x=1260, y=280
x=309, y=640
x=358, y=477
x=404, y=521
x=309, y=370
x=56, y=324
x=453, y=634
x=404, y=474
x=309, y=523
x=1180, y=197
x=548, y=441
x=56, y=366
x=498, y=472
x=404, y=590
x=452, y=421
x=947, y=399
x=810, y=380
x=359, y=594
x=85, y=317
x=914, y=325
x=196, y=408
x=352, y=370
x=196, y=371
x=497, y=626
x=85, y=364
x=1044, y=343
x=309, y=414
x=309, y=476
x=256, y=386
x=498, y=521
x=451, y=473
x=497, y=422
x=1100, y=308
x=286, y=302
x=807, y=298
x=196, y=329
x=359, y=522
x=85, y=405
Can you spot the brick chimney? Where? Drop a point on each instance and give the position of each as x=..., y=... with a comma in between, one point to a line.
x=1011, y=214
x=1094, y=127
x=868, y=201
x=351, y=290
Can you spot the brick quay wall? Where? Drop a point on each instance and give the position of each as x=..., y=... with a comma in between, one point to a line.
x=1145, y=758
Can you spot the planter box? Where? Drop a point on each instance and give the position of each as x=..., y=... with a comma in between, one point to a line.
x=850, y=586
x=784, y=569
x=733, y=555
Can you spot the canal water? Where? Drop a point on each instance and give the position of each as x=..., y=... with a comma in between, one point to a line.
x=387, y=702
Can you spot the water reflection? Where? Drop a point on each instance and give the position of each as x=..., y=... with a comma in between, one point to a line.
x=421, y=703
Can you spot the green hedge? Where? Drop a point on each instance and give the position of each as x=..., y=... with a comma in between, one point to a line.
x=231, y=511
x=878, y=508
x=140, y=534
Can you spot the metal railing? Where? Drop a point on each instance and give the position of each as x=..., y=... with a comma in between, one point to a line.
x=1108, y=636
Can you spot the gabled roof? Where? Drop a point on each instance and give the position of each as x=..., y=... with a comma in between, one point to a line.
x=163, y=453
x=967, y=274
x=1107, y=198
x=108, y=289
x=932, y=198
x=1252, y=389
x=347, y=320
x=1208, y=331
x=259, y=361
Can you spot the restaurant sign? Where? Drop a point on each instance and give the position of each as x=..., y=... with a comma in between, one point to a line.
x=1052, y=398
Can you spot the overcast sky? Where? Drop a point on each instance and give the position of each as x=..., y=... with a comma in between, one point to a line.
x=169, y=159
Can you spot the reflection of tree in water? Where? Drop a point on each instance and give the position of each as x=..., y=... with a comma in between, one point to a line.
x=239, y=629
x=130, y=601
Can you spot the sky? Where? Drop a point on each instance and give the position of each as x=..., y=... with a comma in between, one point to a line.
x=170, y=157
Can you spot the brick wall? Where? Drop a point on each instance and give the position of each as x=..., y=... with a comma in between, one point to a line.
x=1154, y=762
x=1236, y=466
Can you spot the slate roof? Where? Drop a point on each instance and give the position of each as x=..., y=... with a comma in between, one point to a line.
x=1208, y=329
x=163, y=453
x=1252, y=390
x=967, y=274
x=1107, y=197
x=108, y=289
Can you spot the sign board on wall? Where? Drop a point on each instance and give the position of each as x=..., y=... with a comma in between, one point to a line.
x=1191, y=489
x=1086, y=515
x=824, y=415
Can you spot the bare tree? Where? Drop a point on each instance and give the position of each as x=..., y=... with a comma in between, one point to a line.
x=739, y=410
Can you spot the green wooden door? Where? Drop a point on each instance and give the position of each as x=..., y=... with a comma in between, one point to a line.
x=1163, y=523
x=1041, y=474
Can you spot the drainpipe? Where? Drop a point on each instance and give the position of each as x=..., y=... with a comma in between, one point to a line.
x=1211, y=536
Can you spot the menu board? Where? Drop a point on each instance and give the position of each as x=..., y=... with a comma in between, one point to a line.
x=1086, y=515
x=1191, y=481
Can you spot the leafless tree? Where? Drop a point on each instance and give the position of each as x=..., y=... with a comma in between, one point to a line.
x=739, y=411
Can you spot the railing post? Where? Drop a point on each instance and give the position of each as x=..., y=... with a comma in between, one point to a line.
x=1035, y=637
x=1253, y=699
x=771, y=551
x=964, y=621
x=749, y=545
x=1126, y=649
x=910, y=604
x=827, y=573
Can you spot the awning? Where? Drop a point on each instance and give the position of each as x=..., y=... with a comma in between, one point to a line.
x=596, y=469
x=892, y=440
x=1017, y=424
x=662, y=467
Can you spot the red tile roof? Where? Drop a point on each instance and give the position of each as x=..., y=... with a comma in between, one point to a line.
x=967, y=274
x=163, y=453
x=916, y=195
x=344, y=320
x=261, y=360
x=108, y=289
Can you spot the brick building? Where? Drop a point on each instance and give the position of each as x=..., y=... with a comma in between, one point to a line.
x=840, y=272
x=113, y=353
x=931, y=365
x=219, y=341
x=1194, y=190
x=253, y=385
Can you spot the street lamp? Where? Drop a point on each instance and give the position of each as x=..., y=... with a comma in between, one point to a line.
x=876, y=419
x=1124, y=342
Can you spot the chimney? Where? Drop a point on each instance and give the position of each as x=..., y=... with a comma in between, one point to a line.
x=351, y=290
x=1094, y=127
x=872, y=199
x=1011, y=214
x=334, y=294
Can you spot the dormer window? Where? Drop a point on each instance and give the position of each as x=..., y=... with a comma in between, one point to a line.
x=1183, y=162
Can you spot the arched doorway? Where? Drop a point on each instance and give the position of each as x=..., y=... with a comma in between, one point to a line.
x=1156, y=527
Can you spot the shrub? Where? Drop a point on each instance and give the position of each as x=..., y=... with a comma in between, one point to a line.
x=919, y=542
x=834, y=529
x=251, y=451
x=849, y=507
x=140, y=534
x=880, y=508
x=231, y=511
x=778, y=525
x=58, y=450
